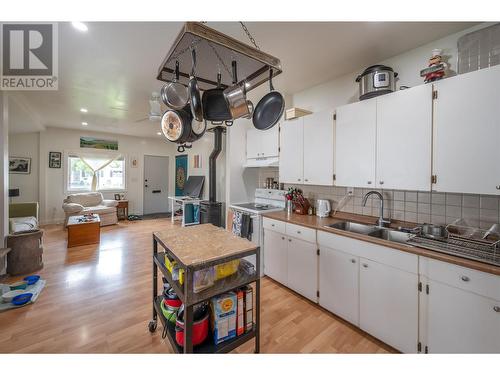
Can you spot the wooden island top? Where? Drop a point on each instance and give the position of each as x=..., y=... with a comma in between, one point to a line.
x=200, y=244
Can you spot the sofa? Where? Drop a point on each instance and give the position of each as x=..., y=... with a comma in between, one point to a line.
x=90, y=203
x=24, y=239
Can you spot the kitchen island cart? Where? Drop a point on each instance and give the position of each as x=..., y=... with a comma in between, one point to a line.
x=195, y=249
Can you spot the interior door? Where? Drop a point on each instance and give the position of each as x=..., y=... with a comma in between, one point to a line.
x=318, y=148
x=467, y=133
x=155, y=184
x=404, y=139
x=292, y=151
x=355, y=137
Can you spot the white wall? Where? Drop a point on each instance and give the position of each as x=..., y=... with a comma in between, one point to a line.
x=25, y=145
x=4, y=168
x=344, y=90
x=51, y=180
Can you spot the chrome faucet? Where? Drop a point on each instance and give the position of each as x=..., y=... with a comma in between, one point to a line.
x=381, y=221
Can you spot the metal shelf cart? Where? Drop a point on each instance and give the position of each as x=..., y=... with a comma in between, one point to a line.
x=185, y=292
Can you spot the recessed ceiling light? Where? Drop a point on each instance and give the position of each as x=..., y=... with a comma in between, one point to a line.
x=83, y=110
x=159, y=133
x=84, y=123
x=80, y=26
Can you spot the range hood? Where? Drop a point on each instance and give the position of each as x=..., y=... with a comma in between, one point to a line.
x=262, y=162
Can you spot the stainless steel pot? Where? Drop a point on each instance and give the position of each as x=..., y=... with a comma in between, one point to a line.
x=376, y=80
x=433, y=231
x=236, y=98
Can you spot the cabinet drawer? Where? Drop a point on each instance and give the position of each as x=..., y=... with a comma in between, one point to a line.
x=276, y=225
x=478, y=282
x=381, y=254
x=302, y=233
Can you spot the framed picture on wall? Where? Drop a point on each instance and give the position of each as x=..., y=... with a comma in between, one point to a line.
x=19, y=165
x=118, y=197
x=55, y=159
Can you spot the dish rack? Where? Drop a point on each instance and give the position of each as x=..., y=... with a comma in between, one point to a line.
x=465, y=241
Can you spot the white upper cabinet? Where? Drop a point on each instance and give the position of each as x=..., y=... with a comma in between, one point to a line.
x=318, y=148
x=291, y=151
x=355, y=137
x=467, y=133
x=263, y=143
x=404, y=139
x=306, y=145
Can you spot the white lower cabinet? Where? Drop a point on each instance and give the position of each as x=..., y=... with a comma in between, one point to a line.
x=290, y=257
x=456, y=321
x=388, y=304
x=303, y=268
x=275, y=256
x=459, y=309
x=339, y=283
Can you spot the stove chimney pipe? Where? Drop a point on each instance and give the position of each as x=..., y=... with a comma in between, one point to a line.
x=212, y=169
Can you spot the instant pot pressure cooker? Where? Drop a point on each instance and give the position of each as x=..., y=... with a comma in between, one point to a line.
x=376, y=80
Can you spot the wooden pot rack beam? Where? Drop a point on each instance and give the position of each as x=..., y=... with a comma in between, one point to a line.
x=215, y=51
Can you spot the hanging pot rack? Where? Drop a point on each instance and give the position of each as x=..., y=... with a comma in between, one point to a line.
x=215, y=52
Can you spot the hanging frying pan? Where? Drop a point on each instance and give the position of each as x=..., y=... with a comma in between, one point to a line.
x=215, y=107
x=194, y=92
x=176, y=125
x=175, y=94
x=269, y=109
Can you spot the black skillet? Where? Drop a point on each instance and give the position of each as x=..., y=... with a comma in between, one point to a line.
x=194, y=92
x=215, y=107
x=269, y=109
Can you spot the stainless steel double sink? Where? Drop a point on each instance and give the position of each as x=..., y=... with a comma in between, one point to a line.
x=387, y=234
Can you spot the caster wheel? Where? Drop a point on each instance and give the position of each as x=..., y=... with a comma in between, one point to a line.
x=152, y=326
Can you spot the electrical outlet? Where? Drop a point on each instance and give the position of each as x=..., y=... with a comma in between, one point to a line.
x=350, y=191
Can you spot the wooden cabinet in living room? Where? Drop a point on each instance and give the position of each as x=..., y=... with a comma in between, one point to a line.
x=306, y=150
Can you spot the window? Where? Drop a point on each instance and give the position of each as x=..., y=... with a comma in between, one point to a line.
x=111, y=177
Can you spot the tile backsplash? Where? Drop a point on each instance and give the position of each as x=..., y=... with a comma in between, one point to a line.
x=419, y=207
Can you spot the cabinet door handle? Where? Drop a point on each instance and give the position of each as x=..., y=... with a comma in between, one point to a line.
x=298, y=179
x=306, y=179
x=353, y=260
x=381, y=182
x=498, y=187
x=496, y=308
x=365, y=265
x=272, y=225
x=282, y=238
x=298, y=232
x=289, y=240
x=465, y=278
x=369, y=182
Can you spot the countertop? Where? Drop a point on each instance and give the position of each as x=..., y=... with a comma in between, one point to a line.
x=318, y=223
x=199, y=244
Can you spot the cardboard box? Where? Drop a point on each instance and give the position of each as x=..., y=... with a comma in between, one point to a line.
x=223, y=317
x=248, y=303
x=240, y=313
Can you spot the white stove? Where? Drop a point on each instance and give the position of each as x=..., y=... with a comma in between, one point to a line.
x=266, y=200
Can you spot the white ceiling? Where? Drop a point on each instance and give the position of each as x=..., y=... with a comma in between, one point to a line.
x=111, y=69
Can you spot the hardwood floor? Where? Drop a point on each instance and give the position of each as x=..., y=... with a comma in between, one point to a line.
x=98, y=300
